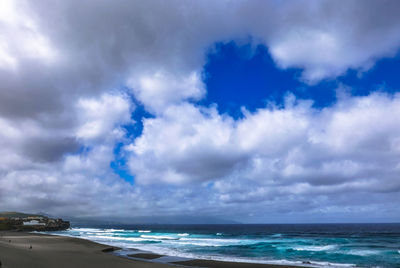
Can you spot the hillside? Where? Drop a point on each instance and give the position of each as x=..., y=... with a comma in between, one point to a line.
x=30, y=222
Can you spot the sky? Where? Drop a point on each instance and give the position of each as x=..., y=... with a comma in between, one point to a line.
x=247, y=111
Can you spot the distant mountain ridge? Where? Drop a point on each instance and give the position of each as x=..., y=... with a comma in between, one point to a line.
x=111, y=221
x=13, y=214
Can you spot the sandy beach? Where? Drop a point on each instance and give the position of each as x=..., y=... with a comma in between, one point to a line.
x=55, y=251
x=20, y=250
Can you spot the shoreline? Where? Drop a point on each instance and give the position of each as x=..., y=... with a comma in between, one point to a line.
x=22, y=249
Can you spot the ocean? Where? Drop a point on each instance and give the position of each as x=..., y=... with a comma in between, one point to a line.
x=319, y=245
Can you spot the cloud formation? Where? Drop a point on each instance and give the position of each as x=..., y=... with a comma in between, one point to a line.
x=350, y=147
x=70, y=71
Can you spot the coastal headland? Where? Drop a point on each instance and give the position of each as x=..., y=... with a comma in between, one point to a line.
x=30, y=222
x=33, y=250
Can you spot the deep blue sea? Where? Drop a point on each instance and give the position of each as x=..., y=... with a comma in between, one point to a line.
x=322, y=245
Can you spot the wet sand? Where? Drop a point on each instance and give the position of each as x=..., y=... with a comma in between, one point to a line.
x=220, y=264
x=20, y=250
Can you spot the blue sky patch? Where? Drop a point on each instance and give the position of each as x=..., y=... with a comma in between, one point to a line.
x=241, y=75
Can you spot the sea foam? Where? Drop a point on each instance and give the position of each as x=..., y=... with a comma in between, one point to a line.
x=184, y=234
x=316, y=248
x=256, y=244
x=159, y=237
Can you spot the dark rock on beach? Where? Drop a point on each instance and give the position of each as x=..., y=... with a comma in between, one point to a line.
x=111, y=249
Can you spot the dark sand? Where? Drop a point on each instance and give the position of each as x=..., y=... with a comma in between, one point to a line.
x=147, y=256
x=58, y=252
x=219, y=264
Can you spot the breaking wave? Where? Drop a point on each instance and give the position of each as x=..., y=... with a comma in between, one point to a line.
x=313, y=249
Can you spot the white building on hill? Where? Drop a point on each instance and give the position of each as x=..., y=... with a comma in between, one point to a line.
x=34, y=222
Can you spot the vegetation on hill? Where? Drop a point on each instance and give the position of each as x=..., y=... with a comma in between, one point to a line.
x=5, y=225
x=30, y=222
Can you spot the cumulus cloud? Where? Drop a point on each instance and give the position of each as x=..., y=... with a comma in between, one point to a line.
x=160, y=90
x=184, y=144
x=276, y=152
x=69, y=72
x=99, y=118
x=355, y=139
x=325, y=39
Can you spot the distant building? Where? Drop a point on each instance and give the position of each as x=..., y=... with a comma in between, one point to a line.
x=33, y=222
x=35, y=218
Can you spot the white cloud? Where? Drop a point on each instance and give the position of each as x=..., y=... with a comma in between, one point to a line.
x=161, y=89
x=325, y=39
x=59, y=61
x=315, y=51
x=100, y=118
x=21, y=37
x=182, y=145
x=295, y=150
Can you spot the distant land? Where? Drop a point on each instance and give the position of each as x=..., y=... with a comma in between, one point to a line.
x=113, y=221
x=30, y=222
x=92, y=221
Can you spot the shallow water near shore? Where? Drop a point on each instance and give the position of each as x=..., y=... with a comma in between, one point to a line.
x=320, y=245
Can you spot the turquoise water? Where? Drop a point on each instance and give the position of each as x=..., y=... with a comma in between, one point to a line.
x=329, y=245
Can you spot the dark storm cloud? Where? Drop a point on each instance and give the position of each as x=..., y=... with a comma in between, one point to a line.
x=49, y=149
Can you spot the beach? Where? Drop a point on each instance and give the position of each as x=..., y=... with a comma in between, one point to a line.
x=21, y=249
